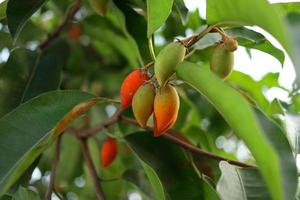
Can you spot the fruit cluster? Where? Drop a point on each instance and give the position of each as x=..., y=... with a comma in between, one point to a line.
x=156, y=95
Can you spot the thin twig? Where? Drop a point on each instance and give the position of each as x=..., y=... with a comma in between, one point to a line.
x=190, y=41
x=53, y=169
x=170, y=136
x=70, y=14
x=110, y=121
x=92, y=170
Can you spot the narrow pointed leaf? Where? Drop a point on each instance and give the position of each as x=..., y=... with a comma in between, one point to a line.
x=170, y=164
x=157, y=13
x=278, y=170
x=18, y=12
x=26, y=131
x=241, y=183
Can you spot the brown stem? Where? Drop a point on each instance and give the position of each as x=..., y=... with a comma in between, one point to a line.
x=190, y=41
x=110, y=121
x=70, y=14
x=170, y=136
x=92, y=170
x=53, y=169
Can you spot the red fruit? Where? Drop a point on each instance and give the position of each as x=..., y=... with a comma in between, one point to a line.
x=130, y=85
x=166, y=106
x=74, y=32
x=109, y=151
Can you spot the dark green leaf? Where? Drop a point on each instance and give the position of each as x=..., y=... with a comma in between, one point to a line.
x=279, y=169
x=294, y=29
x=3, y=6
x=14, y=75
x=18, y=12
x=25, y=194
x=241, y=184
x=292, y=126
x=46, y=75
x=286, y=8
x=254, y=12
x=157, y=13
x=182, y=10
x=26, y=131
x=171, y=165
x=139, y=178
x=27, y=74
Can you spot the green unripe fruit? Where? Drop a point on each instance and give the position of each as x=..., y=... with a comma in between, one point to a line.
x=222, y=61
x=167, y=60
x=142, y=103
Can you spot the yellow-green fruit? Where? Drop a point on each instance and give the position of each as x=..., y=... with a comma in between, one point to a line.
x=142, y=103
x=167, y=60
x=221, y=61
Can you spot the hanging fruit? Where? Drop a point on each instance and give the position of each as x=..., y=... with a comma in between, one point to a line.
x=166, y=106
x=142, y=103
x=109, y=151
x=167, y=60
x=221, y=62
x=130, y=85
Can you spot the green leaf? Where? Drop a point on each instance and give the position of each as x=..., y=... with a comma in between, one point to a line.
x=286, y=8
x=254, y=40
x=244, y=12
x=139, y=178
x=25, y=194
x=99, y=6
x=18, y=12
x=155, y=181
x=46, y=75
x=3, y=6
x=279, y=170
x=292, y=127
x=182, y=10
x=27, y=74
x=13, y=76
x=169, y=163
x=157, y=13
x=241, y=183
x=26, y=131
x=293, y=20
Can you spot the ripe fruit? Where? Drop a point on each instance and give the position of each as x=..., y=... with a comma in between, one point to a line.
x=142, y=103
x=166, y=106
x=130, y=85
x=167, y=60
x=109, y=151
x=221, y=61
x=74, y=32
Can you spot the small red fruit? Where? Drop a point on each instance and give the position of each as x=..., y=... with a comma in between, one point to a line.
x=74, y=32
x=130, y=85
x=109, y=151
x=166, y=106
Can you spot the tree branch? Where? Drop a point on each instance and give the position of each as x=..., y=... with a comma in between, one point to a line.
x=170, y=136
x=91, y=168
x=53, y=169
x=70, y=14
x=117, y=117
